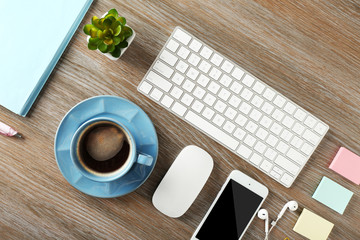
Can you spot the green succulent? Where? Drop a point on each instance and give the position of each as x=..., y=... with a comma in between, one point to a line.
x=108, y=34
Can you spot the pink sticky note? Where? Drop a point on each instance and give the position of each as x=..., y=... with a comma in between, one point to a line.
x=347, y=164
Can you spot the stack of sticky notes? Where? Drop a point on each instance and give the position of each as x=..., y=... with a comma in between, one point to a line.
x=332, y=195
x=347, y=164
x=313, y=226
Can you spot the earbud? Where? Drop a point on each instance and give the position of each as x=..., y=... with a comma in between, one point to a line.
x=264, y=215
x=292, y=206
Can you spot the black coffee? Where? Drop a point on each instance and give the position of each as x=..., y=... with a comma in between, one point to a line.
x=86, y=155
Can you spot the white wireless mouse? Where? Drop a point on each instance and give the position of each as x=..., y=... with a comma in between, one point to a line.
x=183, y=181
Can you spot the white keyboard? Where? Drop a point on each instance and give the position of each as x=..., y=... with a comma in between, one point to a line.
x=227, y=103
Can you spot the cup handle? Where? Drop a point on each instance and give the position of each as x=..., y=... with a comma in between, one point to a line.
x=144, y=159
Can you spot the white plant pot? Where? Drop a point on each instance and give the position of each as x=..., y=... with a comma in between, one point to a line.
x=129, y=40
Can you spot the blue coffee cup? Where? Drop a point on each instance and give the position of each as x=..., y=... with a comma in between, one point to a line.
x=82, y=163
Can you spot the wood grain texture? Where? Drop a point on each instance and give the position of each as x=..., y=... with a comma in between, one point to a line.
x=307, y=50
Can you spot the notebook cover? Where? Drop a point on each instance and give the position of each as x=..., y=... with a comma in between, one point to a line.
x=32, y=44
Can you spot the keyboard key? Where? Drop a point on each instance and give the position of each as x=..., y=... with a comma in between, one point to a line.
x=320, y=128
x=212, y=130
x=224, y=94
x=197, y=106
x=269, y=94
x=279, y=101
x=145, y=87
x=182, y=37
x=275, y=174
x=245, y=108
x=188, y=85
x=176, y=92
x=179, y=108
x=194, y=59
x=172, y=45
x=286, y=135
x=225, y=80
x=203, y=80
x=255, y=115
x=208, y=113
x=195, y=45
x=177, y=78
x=266, y=166
x=300, y=115
x=298, y=128
x=277, y=115
x=278, y=170
x=249, y=140
x=272, y=140
x=248, y=80
x=296, y=142
x=187, y=99
x=230, y=113
x=287, y=179
x=246, y=94
x=270, y=154
x=236, y=87
x=251, y=126
x=311, y=137
x=239, y=133
x=229, y=127
x=259, y=87
x=241, y=120
x=167, y=101
x=257, y=101
x=204, y=66
x=214, y=87
x=156, y=94
x=206, y=52
x=220, y=106
x=183, y=52
x=244, y=151
x=276, y=128
x=286, y=164
x=289, y=108
x=182, y=66
x=168, y=58
x=218, y=120
x=209, y=99
x=256, y=159
x=234, y=101
x=163, y=69
x=215, y=73
x=260, y=147
x=199, y=92
x=262, y=133
x=216, y=59
x=288, y=121
x=192, y=73
x=265, y=122
x=296, y=156
x=310, y=121
x=267, y=108
x=159, y=81
x=307, y=148
x=237, y=73
x=282, y=147
x=227, y=66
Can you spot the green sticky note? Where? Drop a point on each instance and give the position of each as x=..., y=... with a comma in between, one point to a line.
x=313, y=226
x=332, y=195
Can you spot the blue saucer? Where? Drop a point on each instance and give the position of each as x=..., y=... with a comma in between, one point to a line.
x=133, y=117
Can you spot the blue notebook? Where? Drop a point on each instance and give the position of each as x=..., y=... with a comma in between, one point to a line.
x=34, y=34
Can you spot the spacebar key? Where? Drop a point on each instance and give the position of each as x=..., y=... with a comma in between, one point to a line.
x=210, y=129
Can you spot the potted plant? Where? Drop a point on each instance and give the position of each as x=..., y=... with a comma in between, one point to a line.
x=109, y=34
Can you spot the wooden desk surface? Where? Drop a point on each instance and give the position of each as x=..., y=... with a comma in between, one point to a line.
x=309, y=51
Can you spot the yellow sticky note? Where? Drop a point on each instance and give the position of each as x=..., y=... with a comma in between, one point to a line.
x=313, y=226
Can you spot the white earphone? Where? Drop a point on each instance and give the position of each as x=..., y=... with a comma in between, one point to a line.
x=263, y=214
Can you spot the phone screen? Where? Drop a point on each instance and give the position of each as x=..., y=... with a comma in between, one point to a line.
x=231, y=213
